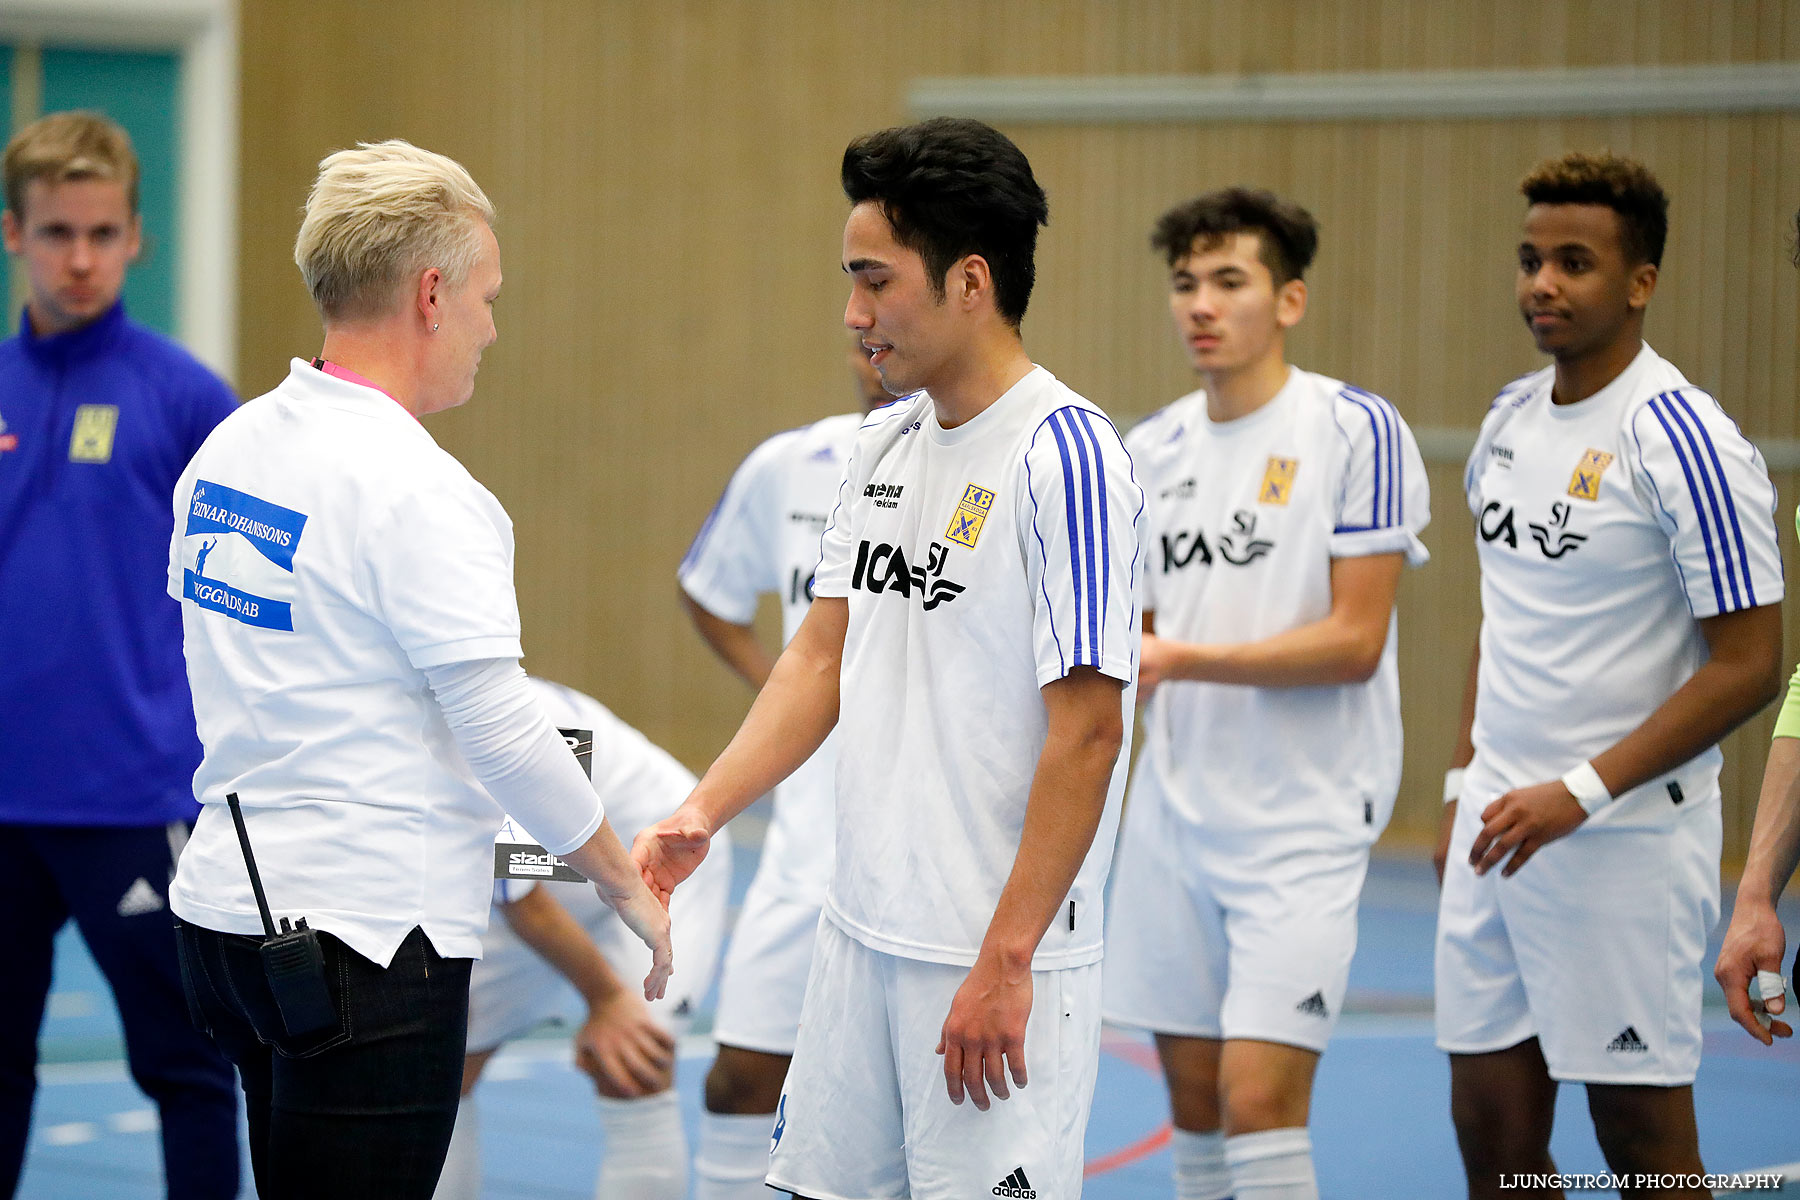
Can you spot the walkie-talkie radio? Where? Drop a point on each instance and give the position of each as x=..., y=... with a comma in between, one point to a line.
x=292, y=959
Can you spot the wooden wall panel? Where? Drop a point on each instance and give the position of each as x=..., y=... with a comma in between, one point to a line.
x=670, y=221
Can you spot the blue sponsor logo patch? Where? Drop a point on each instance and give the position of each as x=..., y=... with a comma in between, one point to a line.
x=251, y=610
x=272, y=529
x=255, y=542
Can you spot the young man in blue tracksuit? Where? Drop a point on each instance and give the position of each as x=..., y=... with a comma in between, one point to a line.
x=98, y=417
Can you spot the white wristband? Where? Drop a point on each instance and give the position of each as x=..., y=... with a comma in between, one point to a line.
x=1585, y=785
x=1453, y=783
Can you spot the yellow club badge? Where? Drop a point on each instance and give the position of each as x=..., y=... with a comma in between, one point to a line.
x=1584, y=484
x=1278, y=481
x=970, y=515
x=92, y=441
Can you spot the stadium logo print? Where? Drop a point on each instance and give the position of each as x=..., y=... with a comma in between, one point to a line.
x=1016, y=1186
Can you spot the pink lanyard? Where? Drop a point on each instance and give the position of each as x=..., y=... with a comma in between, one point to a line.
x=345, y=373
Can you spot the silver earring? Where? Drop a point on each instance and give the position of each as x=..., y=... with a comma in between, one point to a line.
x=434, y=327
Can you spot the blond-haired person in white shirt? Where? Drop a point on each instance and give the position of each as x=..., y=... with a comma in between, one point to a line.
x=352, y=640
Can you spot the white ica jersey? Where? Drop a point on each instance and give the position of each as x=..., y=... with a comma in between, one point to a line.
x=1245, y=518
x=980, y=563
x=1605, y=529
x=327, y=553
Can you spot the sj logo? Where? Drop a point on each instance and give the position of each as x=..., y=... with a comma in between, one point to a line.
x=1584, y=484
x=92, y=441
x=1554, y=538
x=1240, y=547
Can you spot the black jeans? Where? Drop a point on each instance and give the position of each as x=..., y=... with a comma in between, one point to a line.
x=363, y=1108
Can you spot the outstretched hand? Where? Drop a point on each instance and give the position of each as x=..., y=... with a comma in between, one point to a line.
x=667, y=852
x=647, y=917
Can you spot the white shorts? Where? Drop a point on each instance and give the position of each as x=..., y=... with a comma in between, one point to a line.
x=764, y=978
x=1244, y=939
x=1595, y=948
x=511, y=989
x=865, y=1114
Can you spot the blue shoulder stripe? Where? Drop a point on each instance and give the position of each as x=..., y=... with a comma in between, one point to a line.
x=1384, y=508
x=1700, y=494
x=1735, y=538
x=1080, y=531
x=1087, y=424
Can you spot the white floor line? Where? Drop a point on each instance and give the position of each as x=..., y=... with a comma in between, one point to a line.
x=71, y=1133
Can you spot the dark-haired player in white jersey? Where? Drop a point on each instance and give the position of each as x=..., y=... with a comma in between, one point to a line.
x=1282, y=507
x=1630, y=593
x=761, y=537
x=973, y=640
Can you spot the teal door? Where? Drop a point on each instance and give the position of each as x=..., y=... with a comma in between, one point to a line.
x=141, y=91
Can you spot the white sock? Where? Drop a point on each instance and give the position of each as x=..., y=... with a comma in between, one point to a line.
x=1200, y=1171
x=646, y=1149
x=1274, y=1164
x=733, y=1157
x=461, y=1177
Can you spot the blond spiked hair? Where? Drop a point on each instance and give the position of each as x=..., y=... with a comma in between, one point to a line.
x=378, y=216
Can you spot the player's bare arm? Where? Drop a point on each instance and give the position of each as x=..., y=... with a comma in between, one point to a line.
x=1755, y=940
x=793, y=714
x=603, y=859
x=621, y=1048
x=1741, y=676
x=1344, y=646
x=736, y=645
x=1460, y=758
x=984, y=1033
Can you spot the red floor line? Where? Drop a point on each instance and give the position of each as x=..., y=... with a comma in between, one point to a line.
x=1142, y=1055
x=1128, y=1154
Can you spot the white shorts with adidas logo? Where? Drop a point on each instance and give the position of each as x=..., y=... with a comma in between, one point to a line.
x=1212, y=937
x=1596, y=947
x=865, y=1114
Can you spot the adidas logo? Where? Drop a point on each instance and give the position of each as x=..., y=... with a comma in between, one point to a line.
x=1627, y=1042
x=1313, y=1006
x=140, y=898
x=1016, y=1186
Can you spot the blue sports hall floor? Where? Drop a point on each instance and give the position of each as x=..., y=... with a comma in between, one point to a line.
x=1381, y=1125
